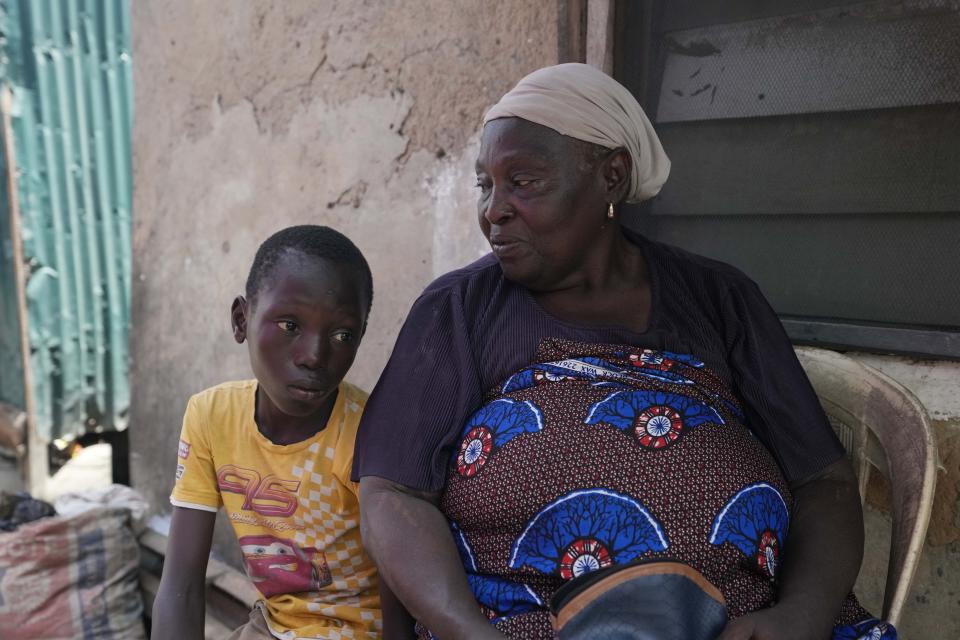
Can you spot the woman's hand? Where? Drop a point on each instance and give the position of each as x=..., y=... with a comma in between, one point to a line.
x=821, y=561
x=768, y=624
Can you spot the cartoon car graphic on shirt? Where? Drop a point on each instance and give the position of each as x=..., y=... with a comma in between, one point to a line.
x=277, y=566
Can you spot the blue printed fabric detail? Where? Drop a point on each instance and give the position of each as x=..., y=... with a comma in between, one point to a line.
x=463, y=548
x=499, y=596
x=600, y=370
x=755, y=520
x=662, y=365
x=871, y=629
x=506, y=419
x=587, y=530
x=656, y=418
x=734, y=410
x=492, y=426
x=503, y=597
x=582, y=368
x=661, y=359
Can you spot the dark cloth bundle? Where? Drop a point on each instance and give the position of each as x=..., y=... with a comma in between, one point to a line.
x=20, y=508
x=640, y=601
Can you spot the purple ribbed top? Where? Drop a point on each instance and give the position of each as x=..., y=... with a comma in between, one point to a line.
x=471, y=328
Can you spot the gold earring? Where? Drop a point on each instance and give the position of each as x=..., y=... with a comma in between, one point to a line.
x=610, y=211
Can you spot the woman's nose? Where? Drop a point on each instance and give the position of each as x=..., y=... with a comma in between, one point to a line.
x=497, y=207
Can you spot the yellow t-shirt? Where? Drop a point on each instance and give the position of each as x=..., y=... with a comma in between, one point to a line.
x=293, y=508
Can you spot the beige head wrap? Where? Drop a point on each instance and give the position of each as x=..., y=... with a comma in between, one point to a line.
x=582, y=102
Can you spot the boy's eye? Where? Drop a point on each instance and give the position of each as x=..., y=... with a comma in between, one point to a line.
x=343, y=336
x=287, y=326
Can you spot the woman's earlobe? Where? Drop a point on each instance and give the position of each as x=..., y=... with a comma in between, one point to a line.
x=238, y=319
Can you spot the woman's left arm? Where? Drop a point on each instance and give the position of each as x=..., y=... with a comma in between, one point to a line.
x=821, y=561
x=824, y=546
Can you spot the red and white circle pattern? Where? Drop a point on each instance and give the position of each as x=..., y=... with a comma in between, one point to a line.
x=474, y=451
x=583, y=556
x=658, y=426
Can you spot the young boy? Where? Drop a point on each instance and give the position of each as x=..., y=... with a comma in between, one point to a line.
x=276, y=453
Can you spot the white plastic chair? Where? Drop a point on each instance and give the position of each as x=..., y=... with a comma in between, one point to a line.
x=884, y=428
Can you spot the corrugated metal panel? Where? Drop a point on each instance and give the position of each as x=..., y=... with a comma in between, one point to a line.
x=11, y=369
x=68, y=65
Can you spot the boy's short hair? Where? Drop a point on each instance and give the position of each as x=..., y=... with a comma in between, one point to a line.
x=311, y=240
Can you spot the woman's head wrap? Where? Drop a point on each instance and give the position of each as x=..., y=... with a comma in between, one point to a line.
x=582, y=102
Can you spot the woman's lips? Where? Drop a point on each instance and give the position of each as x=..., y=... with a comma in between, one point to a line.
x=506, y=247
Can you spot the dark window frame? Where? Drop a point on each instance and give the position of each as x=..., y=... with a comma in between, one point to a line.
x=637, y=35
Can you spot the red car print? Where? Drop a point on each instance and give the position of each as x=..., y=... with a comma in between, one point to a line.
x=277, y=566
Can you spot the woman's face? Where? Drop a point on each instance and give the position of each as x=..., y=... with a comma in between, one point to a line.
x=542, y=205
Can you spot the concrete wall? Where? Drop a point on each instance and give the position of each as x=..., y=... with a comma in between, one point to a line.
x=362, y=115
x=251, y=116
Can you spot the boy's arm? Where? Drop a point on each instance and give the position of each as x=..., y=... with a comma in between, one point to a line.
x=178, y=611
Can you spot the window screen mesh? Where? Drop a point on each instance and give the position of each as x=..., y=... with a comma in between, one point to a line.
x=818, y=150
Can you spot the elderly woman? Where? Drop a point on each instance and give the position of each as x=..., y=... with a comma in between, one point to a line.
x=584, y=397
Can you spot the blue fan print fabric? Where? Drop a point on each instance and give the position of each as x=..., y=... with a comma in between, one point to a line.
x=870, y=629
x=600, y=455
x=587, y=530
x=491, y=427
x=755, y=521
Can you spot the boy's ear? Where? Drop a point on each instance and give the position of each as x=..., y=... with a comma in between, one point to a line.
x=238, y=319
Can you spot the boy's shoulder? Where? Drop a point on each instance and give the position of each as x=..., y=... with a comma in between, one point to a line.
x=225, y=398
x=355, y=398
x=354, y=402
x=226, y=391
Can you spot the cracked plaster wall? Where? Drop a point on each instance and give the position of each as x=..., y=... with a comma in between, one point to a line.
x=251, y=116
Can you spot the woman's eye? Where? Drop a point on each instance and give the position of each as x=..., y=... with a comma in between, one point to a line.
x=343, y=336
x=287, y=326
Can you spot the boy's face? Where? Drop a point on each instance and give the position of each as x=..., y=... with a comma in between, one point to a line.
x=302, y=331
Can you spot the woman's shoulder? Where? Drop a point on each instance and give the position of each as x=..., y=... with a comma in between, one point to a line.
x=697, y=270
